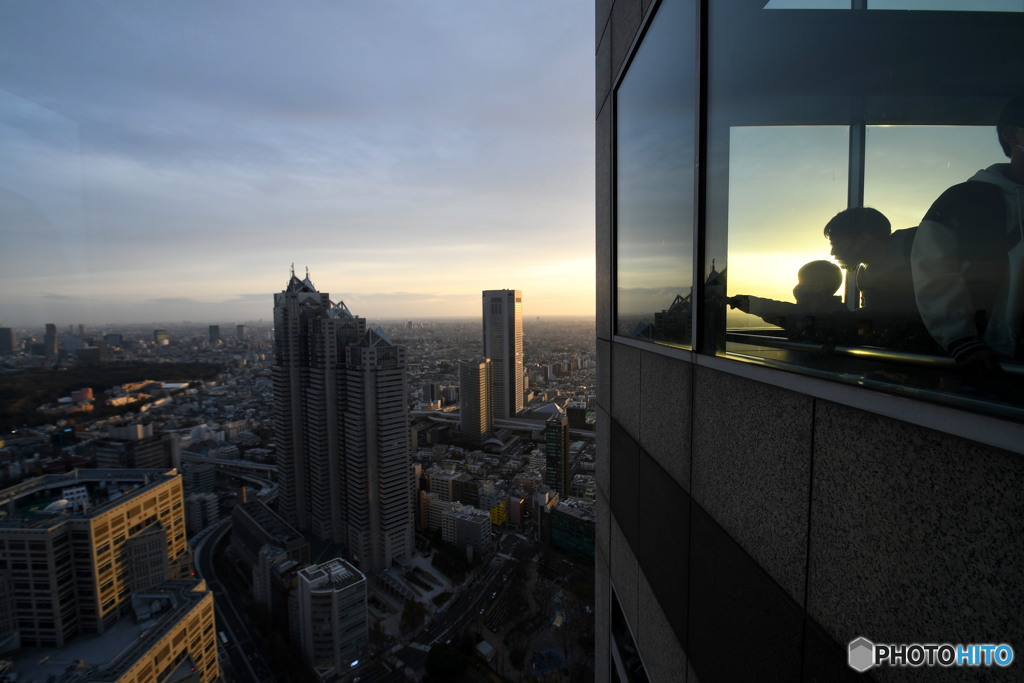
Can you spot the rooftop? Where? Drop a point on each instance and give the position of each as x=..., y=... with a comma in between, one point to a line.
x=79, y=494
x=121, y=646
x=337, y=573
x=585, y=510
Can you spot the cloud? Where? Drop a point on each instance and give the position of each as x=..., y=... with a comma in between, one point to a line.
x=178, y=149
x=175, y=301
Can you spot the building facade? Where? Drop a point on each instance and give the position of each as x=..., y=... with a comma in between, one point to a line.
x=181, y=643
x=476, y=419
x=769, y=492
x=341, y=425
x=557, y=473
x=381, y=526
x=332, y=616
x=76, y=546
x=503, y=345
x=7, y=341
x=50, y=344
x=134, y=446
x=464, y=525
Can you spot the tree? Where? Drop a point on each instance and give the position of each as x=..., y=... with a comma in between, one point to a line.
x=412, y=615
x=445, y=663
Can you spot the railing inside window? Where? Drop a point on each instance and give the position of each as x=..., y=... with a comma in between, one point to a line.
x=879, y=368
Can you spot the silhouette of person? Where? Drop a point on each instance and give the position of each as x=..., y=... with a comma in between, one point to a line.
x=968, y=259
x=864, y=244
x=817, y=314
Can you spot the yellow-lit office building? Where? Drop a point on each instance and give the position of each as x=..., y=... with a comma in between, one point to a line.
x=183, y=642
x=74, y=547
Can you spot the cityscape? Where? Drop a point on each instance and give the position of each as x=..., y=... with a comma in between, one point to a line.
x=323, y=498
x=628, y=341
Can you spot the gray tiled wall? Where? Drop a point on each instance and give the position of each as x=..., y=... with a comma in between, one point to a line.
x=916, y=536
x=751, y=469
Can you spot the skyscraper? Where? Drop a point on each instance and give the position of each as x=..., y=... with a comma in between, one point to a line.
x=341, y=425
x=378, y=472
x=503, y=344
x=7, y=341
x=556, y=451
x=50, y=340
x=475, y=404
x=332, y=616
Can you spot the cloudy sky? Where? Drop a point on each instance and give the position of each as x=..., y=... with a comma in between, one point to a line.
x=165, y=161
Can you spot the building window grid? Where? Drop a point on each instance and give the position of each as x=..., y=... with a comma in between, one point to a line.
x=703, y=342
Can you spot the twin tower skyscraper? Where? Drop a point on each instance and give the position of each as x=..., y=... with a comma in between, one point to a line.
x=341, y=425
x=341, y=418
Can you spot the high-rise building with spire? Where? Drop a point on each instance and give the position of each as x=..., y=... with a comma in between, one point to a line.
x=341, y=425
x=503, y=344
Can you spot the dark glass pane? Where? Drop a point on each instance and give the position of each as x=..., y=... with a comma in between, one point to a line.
x=655, y=105
x=808, y=4
x=949, y=5
x=815, y=115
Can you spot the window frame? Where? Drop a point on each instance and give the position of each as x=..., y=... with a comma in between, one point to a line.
x=957, y=421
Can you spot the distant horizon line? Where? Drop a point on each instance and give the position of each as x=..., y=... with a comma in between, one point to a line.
x=63, y=327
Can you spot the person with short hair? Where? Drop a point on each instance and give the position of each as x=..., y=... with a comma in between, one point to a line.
x=968, y=259
x=864, y=244
x=878, y=258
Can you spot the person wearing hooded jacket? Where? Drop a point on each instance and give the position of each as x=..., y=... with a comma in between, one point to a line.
x=967, y=259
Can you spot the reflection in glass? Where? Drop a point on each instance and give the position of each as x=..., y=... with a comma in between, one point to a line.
x=950, y=5
x=934, y=5
x=655, y=106
x=808, y=4
x=907, y=167
x=785, y=183
x=815, y=114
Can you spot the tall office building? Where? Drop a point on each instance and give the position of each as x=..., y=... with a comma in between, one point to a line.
x=476, y=419
x=794, y=495
x=376, y=426
x=342, y=427
x=241, y=332
x=556, y=454
x=503, y=344
x=332, y=616
x=7, y=341
x=50, y=340
x=76, y=546
x=135, y=446
x=214, y=334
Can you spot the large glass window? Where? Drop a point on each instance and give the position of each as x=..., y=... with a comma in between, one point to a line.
x=828, y=250
x=935, y=5
x=655, y=133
